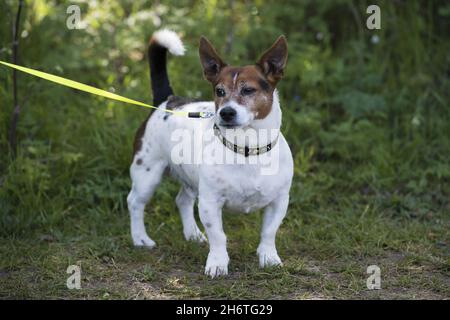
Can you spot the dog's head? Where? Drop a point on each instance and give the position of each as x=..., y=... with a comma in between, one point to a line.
x=243, y=94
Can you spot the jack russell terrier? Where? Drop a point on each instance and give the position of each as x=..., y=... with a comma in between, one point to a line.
x=245, y=98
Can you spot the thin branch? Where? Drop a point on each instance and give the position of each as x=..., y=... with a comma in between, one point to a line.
x=16, y=112
x=230, y=35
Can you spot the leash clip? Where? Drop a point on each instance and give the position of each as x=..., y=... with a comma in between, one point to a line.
x=202, y=114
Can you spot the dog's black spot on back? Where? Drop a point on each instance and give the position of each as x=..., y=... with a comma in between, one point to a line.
x=138, y=137
x=175, y=102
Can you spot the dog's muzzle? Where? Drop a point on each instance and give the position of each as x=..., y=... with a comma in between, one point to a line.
x=228, y=117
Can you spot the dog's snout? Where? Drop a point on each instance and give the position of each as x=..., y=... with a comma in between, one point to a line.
x=228, y=114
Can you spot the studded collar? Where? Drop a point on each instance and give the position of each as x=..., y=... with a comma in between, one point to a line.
x=245, y=151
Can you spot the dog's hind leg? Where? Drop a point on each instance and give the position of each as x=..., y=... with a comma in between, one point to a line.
x=185, y=202
x=146, y=176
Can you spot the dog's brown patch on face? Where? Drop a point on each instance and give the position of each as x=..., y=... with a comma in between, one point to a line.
x=236, y=80
x=261, y=77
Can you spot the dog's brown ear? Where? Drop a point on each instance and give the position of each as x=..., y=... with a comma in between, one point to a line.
x=210, y=60
x=273, y=61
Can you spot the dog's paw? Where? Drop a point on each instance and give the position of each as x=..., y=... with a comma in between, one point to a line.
x=142, y=240
x=216, y=271
x=217, y=265
x=196, y=236
x=269, y=258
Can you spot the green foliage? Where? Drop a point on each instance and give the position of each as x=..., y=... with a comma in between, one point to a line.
x=366, y=113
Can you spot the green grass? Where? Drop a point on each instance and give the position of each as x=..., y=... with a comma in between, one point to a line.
x=326, y=249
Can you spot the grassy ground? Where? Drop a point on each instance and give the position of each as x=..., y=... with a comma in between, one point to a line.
x=327, y=241
x=364, y=194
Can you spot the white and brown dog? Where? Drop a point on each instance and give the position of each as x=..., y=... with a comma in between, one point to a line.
x=245, y=99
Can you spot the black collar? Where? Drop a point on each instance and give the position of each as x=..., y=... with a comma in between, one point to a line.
x=246, y=151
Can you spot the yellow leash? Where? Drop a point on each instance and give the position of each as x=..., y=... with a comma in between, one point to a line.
x=99, y=92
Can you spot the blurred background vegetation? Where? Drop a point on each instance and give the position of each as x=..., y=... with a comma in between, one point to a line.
x=366, y=112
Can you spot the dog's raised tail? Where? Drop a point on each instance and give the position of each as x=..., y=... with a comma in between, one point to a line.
x=162, y=41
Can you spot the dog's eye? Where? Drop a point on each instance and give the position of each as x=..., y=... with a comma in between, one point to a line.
x=247, y=91
x=220, y=92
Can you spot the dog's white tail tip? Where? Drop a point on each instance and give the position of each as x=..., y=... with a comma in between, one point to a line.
x=170, y=40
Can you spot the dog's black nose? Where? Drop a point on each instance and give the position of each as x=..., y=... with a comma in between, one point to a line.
x=228, y=114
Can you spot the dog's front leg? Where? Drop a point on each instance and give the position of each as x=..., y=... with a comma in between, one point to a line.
x=211, y=216
x=273, y=216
